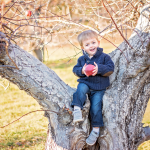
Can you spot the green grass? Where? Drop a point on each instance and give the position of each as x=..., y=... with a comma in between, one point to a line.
x=30, y=132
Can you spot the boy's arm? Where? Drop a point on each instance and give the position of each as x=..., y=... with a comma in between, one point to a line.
x=107, y=68
x=77, y=69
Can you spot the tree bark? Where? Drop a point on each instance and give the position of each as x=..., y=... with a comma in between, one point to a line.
x=124, y=102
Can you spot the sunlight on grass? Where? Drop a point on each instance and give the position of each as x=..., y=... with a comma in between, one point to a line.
x=146, y=121
x=28, y=132
x=144, y=146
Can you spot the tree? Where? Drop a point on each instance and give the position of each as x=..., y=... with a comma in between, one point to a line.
x=124, y=102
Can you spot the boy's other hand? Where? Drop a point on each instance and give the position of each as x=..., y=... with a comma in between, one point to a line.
x=95, y=71
x=83, y=70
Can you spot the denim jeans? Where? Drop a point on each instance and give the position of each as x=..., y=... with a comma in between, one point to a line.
x=95, y=97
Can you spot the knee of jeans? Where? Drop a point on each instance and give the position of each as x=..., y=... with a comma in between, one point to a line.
x=83, y=88
x=95, y=109
x=81, y=91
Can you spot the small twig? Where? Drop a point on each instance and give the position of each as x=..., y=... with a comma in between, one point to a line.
x=133, y=7
x=114, y=45
x=9, y=56
x=109, y=26
x=110, y=8
x=4, y=25
x=8, y=9
x=26, y=115
x=7, y=66
x=139, y=36
x=33, y=18
x=116, y=25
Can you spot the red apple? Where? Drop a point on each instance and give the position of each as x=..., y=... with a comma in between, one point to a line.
x=89, y=69
x=28, y=13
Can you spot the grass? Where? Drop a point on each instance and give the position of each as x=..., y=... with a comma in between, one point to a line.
x=144, y=146
x=27, y=133
x=30, y=132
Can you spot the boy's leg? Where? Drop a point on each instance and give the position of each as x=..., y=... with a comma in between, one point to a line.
x=96, y=108
x=79, y=98
x=96, y=115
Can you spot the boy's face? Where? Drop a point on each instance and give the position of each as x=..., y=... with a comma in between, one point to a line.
x=90, y=46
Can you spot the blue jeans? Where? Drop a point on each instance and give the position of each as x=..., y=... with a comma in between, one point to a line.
x=95, y=97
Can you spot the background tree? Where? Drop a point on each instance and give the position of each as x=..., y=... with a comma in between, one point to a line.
x=125, y=100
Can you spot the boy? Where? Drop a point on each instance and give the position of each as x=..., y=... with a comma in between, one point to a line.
x=94, y=85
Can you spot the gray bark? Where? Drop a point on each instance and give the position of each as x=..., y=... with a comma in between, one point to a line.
x=37, y=49
x=124, y=102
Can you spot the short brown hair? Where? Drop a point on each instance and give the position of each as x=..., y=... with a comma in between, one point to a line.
x=85, y=35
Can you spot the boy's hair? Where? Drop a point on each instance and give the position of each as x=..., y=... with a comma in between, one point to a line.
x=85, y=35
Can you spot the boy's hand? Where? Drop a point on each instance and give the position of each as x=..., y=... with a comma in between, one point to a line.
x=83, y=70
x=95, y=71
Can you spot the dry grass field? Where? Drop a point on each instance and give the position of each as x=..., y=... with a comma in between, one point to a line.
x=29, y=133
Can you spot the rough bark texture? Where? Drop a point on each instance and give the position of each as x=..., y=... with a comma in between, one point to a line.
x=124, y=102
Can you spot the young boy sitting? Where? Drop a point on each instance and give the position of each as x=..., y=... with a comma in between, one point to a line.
x=94, y=85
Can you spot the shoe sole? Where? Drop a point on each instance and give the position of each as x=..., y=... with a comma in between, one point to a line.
x=90, y=144
x=79, y=120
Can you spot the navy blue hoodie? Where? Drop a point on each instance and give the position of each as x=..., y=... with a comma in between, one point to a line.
x=105, y=65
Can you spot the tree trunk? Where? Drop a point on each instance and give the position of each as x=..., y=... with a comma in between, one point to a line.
x=124, y=102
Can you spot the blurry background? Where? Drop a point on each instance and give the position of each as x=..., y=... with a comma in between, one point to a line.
x=48, y=29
